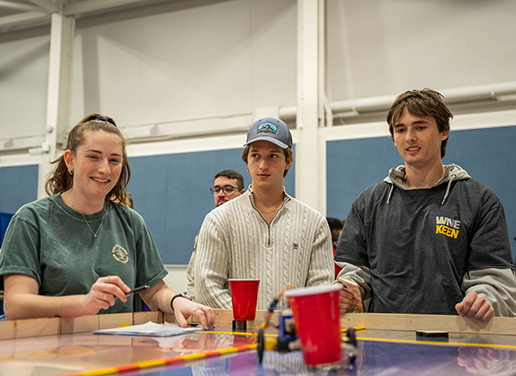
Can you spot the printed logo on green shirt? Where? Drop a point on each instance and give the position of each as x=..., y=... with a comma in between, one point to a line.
x=120, y=254
x=447, y=226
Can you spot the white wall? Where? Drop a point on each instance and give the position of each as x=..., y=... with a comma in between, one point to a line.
x=384, y=47
x=23, y=83
x=176, y=278
x=204, y=62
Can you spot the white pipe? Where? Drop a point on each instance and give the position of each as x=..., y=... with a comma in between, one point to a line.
x=451, y=96
x=358, y=107
x=481, y=92
x=288, y=113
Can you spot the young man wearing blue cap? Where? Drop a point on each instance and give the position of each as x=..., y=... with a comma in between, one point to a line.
x=264, y=234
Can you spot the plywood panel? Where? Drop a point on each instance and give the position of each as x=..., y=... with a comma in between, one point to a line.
x=457, y=324
x=37, y=327
x=116, y=320
x=143, y=317
x=7, y=329
x=79, y=324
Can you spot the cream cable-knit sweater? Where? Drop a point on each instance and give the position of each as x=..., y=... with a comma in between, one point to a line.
x=235, y=241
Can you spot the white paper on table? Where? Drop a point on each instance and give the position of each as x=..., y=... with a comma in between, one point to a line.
x=150, y=329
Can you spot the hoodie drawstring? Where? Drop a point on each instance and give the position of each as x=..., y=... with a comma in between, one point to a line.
x=390, y=193
x=448, y=189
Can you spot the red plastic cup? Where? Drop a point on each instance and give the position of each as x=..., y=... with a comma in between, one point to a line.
x=317, y=320
x=244, y=295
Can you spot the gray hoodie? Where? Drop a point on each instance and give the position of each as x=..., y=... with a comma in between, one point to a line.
x=423, y=250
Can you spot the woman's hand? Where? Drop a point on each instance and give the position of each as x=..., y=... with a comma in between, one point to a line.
x=184, y=308
x=103, y=293
x=159, y=297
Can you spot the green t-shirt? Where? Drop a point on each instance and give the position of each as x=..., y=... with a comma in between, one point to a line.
x=51, y=242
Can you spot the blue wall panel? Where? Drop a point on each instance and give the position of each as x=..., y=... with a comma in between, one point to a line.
x=172, y=194
x=488, y=155
x=18, y=186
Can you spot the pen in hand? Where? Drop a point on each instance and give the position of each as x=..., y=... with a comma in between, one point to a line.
x=138, y=289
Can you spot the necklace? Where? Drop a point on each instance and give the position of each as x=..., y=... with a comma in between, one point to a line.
x=268, y=212
x=83, y=217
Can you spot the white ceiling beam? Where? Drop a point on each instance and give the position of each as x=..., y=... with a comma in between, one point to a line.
x=73, y=9
x=19, y=6
x=46, y=5
x=21, y=18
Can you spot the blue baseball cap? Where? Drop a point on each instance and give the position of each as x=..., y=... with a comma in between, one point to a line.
x=272, y=130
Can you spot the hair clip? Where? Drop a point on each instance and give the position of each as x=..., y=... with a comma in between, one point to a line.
x=102, y=118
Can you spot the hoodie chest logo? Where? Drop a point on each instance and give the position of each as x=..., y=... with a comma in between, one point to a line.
x=447, y=227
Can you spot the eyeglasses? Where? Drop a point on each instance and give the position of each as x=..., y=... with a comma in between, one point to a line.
x=227, y=189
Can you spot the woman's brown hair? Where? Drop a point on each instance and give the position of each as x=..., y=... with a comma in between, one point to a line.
x=61, y=180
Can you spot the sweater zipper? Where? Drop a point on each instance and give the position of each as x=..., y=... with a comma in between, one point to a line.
x=268, y=225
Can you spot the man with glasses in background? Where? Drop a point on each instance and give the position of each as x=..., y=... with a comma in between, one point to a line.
x=227, y=185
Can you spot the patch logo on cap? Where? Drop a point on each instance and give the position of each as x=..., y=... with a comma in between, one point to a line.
x=267, y=128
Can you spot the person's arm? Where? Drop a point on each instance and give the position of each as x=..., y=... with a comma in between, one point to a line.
x=352, y=251
x=160, y=297
x=212, y=266
x=321, y=265
x=359, y=275
x=489, y=285
x=21, y=299
x=488, y=292
x=190, y=272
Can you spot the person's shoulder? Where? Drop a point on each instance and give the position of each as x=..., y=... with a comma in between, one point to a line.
x=381, y=186
x=244, y=200
x=473, y=184
x=294, y=204
x=239, y=203
x=124, y=211
x=38, y=207
x=475, y=188
x=376, y=189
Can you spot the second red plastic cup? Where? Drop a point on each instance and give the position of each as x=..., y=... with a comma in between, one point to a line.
x=317, y=321
x=244, y=295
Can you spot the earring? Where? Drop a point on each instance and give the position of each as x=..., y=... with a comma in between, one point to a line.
x=71, y=172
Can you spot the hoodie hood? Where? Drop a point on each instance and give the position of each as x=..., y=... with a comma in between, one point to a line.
x=452, y=172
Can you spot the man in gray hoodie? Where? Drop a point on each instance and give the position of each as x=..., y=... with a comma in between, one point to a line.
x=428, y=239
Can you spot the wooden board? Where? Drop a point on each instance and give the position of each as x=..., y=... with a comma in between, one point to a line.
x=79, y=324
x=144, y=317
x=7, y=329
x=37, y=327
x=452, y=324
x=381, y=321
x=115, y=320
